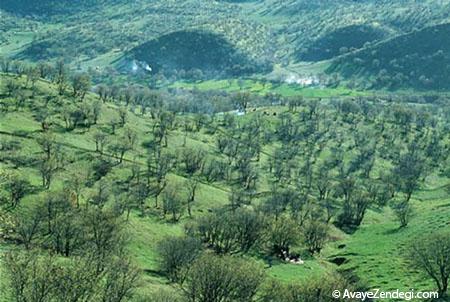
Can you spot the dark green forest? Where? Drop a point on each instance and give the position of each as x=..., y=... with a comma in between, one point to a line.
x=420, y=59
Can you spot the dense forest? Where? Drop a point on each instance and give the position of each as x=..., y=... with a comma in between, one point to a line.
x=224, y=151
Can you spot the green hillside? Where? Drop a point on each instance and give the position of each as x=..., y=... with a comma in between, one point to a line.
x=224, y=150
x=417, y=60
x=342, y=40
x=45, y=8
x=111, y=147
x=116, y=27
x=96, y=34
x=195, y=50
x=304, y=24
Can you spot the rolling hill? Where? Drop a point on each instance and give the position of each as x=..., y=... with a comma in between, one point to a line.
x=305, y=27
x=282, y=33
x=195, y=50
x=47, y=8
x=420, y=59
x=342, y=40
x=110, y=27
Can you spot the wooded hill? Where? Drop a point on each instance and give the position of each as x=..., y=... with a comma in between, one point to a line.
x=98, y=34
x=196, y=51
x=420, y=60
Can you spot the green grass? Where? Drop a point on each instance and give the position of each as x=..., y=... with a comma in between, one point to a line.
x=287, y=90
x=101, y=61
x=376, y=251
x=259, y=87
x=16, y=43
x=291, y=273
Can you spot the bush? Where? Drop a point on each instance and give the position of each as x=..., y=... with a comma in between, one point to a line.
x=214, y=278
x=177, y=254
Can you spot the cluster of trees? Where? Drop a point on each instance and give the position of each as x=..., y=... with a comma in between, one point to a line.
x=71, y=253
x=36, y=277
x=57, y=73
x=349, y=180
x=204, y=276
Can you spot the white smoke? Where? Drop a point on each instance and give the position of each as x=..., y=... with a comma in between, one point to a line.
x=303, y=81
x=134, y=66
x=139, y=65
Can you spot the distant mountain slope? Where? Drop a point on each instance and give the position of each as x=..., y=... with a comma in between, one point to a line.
x=195, y=50
x=420, y=59
x=303, y=24
x=111, y=26
x=342, y=40
x=48, y=7
x=93, y=33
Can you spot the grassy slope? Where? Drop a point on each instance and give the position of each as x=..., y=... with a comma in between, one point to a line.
x=144, y=233
x=372, y=251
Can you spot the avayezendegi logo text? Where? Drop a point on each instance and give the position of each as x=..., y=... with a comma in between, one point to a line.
x=378, y=294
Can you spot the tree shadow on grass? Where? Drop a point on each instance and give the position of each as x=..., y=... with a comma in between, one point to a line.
x=154, y=273
x=394, y=231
